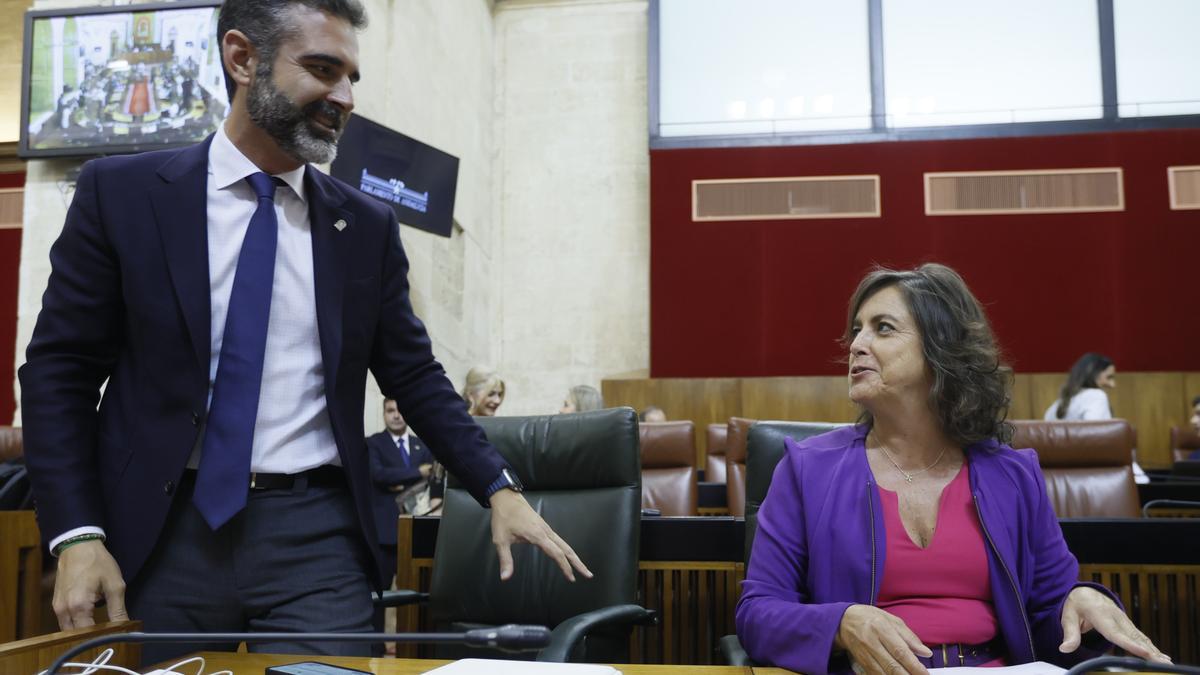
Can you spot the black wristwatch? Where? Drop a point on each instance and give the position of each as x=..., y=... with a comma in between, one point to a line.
x=506, y=479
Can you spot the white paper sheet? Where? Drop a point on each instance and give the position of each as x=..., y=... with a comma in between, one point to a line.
x=501, y=667
x=1035, y=668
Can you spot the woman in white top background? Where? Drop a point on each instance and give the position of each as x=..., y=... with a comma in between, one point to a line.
x=1083, y=396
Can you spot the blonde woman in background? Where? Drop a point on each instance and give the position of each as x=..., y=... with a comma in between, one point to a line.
x=483, y=392
x=582, y=398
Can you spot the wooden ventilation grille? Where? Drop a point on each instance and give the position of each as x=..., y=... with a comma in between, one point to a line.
x=1184, y=182
x=1043, y=191
x=786, y=198
x=12, y=207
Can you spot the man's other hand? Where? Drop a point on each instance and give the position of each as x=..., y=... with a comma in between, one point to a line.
x=86, y=573
x=425, y=469
x=514, y=521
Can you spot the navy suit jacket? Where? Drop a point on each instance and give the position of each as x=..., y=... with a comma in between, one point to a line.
x=389, y=469
x=128, y=302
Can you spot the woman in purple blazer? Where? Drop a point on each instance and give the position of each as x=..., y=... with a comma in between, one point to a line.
x=846, y=572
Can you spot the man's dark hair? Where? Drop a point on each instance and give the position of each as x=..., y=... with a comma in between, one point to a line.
x=266, y=24
x=386, y=400
x=972, y=386
x=1196, y=401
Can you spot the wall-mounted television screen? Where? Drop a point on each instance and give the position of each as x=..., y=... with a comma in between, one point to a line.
x=417, y=180
x=110, y=80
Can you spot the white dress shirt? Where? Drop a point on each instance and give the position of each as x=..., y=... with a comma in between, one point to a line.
x=1091, y=403
x=292, y=432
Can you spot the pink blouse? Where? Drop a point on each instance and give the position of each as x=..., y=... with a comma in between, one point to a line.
x=941, y=592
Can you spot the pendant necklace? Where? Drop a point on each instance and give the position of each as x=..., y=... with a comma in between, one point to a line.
x=908, y=476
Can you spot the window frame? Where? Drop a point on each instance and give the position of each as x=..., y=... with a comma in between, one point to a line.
x=1109, y=121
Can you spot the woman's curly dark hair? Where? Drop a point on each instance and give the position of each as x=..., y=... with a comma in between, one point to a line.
x=972, y=387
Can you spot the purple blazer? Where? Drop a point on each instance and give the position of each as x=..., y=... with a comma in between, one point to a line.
x=820, y=548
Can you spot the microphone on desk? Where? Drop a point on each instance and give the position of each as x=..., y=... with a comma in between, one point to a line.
x=509, y=638
x=1130, y=664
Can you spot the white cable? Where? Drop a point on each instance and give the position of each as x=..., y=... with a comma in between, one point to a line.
x=99, y=663
x=92, y=667
x=174, y=668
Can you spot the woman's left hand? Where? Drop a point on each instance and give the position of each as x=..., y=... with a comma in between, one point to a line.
x=1086, y=608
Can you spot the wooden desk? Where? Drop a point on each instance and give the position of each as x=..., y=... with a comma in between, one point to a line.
x=254, y=664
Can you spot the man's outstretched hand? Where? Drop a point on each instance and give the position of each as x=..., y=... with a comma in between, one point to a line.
x=514, y=521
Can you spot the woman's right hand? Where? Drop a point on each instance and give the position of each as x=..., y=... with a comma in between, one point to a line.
x=880, y=643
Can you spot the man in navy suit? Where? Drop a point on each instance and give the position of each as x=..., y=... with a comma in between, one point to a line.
x=399, y=460
x=230, y=299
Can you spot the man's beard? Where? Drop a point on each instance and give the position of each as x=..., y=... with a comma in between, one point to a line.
x=291, y=126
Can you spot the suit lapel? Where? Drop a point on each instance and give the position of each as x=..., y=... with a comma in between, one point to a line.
x=330, y=246
x=181, y=211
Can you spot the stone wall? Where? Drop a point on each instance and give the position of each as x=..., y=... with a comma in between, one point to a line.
x=573, y=196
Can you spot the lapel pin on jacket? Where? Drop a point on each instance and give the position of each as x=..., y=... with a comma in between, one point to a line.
x=339, y=225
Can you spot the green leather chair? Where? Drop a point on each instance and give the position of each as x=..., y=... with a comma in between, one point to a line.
x=764, y=449
x=582, y=473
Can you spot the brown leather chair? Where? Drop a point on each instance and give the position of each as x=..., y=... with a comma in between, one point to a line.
x=12, y=444
x=1087, y=465
x=714, y=465
x=668, y=467
x=735, y=464
x=1184, y=442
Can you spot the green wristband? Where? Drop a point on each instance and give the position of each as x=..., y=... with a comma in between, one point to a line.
x=77, y=539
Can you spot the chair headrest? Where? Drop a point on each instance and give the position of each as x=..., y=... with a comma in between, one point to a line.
x=12, y=444
x=765, y=447
x=718, y=435
x=584, y=450
x=735, y=442
x=1076, y=444
x=1184, y=438
x=667, y=444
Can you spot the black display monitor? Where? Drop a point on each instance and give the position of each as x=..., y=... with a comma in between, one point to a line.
x=111, y=80
x=417, y=180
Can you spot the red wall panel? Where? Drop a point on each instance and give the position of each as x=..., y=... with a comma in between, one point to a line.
x=10, y=264
x=762, y=298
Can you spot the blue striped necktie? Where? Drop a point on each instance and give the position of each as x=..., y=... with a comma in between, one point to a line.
x=223, y=479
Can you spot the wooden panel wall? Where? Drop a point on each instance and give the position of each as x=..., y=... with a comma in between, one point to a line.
x=1152, y=402
x=703, y=401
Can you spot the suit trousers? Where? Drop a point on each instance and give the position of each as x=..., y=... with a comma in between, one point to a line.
x=291, y=561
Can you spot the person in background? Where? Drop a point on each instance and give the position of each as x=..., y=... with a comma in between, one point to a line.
x=582, y=398
x=652, y=413
x=917, y=538
x=1083, y=398
x=483, y=391
x=398, y=460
